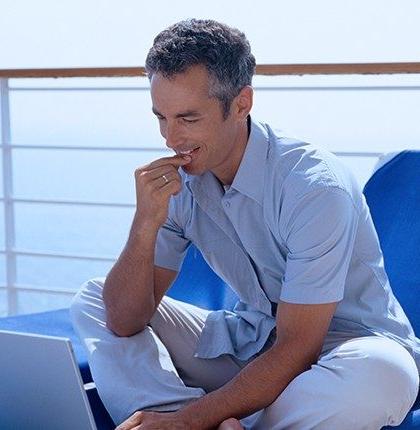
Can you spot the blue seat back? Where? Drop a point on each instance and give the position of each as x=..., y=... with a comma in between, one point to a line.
x=393, y=196
x=199, y=285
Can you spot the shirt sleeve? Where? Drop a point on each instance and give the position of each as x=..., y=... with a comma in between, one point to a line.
x=171, y=244
x=319, y=234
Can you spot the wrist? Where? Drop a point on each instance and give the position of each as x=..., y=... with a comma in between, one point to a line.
x=196, y=415
x=188, y=420
x=142, y=226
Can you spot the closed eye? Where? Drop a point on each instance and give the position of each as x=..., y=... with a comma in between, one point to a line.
x=189, y=120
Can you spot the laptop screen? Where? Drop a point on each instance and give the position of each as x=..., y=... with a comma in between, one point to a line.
x=40, y=384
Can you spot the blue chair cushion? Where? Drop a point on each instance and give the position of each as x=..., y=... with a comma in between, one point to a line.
x=393, y=196
x=197, y=284
x=411, y=421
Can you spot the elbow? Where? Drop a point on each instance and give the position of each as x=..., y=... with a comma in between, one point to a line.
x=119, y=325
x=120, y=330
x=121, y=318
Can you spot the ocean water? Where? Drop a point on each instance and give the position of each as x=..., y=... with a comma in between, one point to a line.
x=339, y=120
x=68, y=229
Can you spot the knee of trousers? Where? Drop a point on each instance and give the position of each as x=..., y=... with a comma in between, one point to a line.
x=364, y=391
x=88, y=295
x=382, y=392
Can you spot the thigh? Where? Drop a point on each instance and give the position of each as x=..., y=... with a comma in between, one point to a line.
x=131, y=373
x=179, y=326
x=364, y=383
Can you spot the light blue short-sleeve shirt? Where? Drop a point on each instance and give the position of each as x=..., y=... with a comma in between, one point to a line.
x=294, y=226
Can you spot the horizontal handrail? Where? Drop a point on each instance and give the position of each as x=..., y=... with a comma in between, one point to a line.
x=29, y=288
x=338, y=69
x=89, y=147
x=358, y=154
x=261, y=69
x=160, y=149
x=71, y=202
x=47, y=254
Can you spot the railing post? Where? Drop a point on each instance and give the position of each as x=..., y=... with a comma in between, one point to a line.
x=9, y=215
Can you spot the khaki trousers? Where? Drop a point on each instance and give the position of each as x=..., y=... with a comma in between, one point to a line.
x=357, y=383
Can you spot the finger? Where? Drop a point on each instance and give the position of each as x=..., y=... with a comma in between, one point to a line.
x=136, y=427
x=152, y=181
x=163, y=180
x=170, y=188
x=176, y=161
x=158, y=172
x=132, y=422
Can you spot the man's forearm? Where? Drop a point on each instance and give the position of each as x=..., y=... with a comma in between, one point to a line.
x=254, y=388
x=128, y=290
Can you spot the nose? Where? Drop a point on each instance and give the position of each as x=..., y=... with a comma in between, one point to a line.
x=173, y=136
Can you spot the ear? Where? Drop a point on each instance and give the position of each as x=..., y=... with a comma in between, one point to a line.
x=242, y=103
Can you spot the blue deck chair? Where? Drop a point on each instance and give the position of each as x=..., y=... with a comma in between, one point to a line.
x=393, y=196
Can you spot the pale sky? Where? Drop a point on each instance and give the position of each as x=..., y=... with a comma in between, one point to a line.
x=83, y=33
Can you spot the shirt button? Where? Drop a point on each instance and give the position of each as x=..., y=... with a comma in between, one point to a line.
x=227, y=204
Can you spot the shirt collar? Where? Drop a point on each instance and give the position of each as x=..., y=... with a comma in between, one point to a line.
x=249, y=179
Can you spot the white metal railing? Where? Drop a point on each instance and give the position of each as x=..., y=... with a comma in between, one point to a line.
x=9, y=216
x=10, y=251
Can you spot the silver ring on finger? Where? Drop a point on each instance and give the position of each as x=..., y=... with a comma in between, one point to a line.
x=165, y=179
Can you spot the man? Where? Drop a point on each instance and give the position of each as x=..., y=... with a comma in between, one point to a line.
x=317, y=340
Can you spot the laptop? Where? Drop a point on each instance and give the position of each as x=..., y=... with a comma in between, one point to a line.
x=40, y=384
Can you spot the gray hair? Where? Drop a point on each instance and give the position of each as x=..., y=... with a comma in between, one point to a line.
x=224, y=51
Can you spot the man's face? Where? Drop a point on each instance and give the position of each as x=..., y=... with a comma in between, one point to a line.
x=190, y=120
